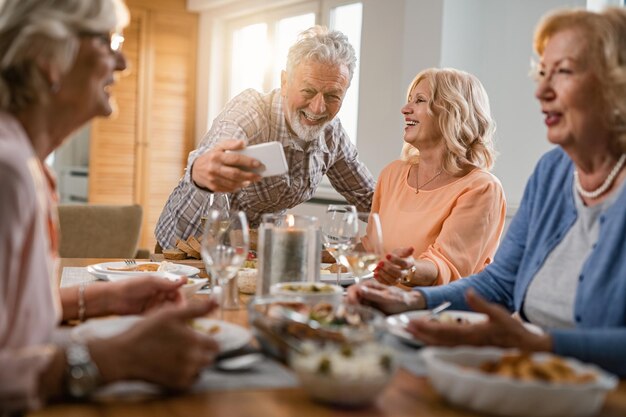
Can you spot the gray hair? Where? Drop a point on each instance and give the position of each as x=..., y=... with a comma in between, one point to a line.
x=320, y=44
x=36, y=31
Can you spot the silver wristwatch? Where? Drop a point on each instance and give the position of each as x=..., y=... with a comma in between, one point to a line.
x=83, y=376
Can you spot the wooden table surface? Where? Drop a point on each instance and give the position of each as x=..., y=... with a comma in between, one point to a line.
x=407, y=395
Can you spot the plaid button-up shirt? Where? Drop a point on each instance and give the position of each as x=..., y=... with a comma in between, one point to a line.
x=258, y=118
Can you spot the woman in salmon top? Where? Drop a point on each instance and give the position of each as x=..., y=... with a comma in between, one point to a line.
x=442, y=212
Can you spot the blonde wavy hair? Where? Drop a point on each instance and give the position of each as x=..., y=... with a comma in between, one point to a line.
x=33, y=32
x=605, y=34
x=461, y=105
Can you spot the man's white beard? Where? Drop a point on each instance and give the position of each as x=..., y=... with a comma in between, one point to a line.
x=306, y=133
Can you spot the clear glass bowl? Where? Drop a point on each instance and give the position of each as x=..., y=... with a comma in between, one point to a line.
x=279, y=332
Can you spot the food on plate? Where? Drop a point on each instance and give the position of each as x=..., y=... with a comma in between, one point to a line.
x=312, y=288
x=336, y=267
x=332, y=321
x=523, y=367
x=174, y=254
x=327, y=257
x=213, y=329
x=147, y=267
x=449, y=319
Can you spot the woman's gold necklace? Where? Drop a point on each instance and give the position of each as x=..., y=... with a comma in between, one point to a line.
x=605, y=185
x=417, y=177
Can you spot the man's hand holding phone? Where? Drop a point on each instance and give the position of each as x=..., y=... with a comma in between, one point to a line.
x=231, y=165
x=220, y=170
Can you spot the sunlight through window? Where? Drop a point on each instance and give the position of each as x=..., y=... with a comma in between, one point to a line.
x=348, y=20
x=249, y=59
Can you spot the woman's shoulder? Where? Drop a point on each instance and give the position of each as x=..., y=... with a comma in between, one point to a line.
x=479, y=177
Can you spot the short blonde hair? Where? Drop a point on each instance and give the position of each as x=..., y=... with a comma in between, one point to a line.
x=461, y=105
x=32, y=31
x=605, y=34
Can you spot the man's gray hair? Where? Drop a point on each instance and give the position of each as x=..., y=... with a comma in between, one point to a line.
x=33, y=32
x=322, y=45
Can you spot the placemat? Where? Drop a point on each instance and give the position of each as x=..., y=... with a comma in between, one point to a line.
x=74, y=275
x=266, y=374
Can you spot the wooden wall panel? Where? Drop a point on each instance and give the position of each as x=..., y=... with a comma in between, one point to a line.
x=139, y=156
x=114, y=140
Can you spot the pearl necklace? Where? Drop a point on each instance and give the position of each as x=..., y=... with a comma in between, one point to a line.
x=605, y=185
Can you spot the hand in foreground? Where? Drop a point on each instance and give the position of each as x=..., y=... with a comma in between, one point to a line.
x=220, y=171
x=389, y=300
x=395, y=266
x=162, y=348
x=500, y=330
x=142, y=294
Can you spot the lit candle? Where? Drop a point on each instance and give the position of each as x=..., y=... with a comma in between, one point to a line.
x=289, y=252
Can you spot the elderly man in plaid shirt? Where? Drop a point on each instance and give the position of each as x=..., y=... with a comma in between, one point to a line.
x=301, y=116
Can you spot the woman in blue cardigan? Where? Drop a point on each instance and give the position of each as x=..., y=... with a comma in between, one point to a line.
x=562, y=264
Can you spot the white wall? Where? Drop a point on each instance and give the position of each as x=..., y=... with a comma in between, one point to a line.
x=493, y=40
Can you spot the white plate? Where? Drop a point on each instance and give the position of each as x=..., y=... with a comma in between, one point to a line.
x=229, y=336
x=396, y=324
x=345, y=278
x=102, y=271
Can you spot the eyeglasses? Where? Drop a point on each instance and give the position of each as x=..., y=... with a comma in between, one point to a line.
x=114, y=40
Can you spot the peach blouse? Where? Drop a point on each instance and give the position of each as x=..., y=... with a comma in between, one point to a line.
x=457, y=226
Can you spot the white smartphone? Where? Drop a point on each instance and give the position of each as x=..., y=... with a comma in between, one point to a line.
x=270, y=154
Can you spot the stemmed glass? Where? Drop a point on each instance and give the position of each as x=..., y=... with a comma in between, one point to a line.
x=224, y=248
x=366, y=248
x=339, y=228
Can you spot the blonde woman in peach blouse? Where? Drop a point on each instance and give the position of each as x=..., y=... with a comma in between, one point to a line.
x=442, y=212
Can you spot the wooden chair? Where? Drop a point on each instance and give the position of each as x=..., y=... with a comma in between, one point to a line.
x=100, y=231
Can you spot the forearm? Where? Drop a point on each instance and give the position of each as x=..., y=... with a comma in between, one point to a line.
x=96, y=301
x=423, y=273
x=602, y=346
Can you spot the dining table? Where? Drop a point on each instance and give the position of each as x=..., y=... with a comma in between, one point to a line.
x=408, y=394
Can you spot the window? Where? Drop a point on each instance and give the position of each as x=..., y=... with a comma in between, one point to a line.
x=259, y=46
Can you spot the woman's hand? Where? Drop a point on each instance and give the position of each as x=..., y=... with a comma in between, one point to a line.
x=399, y=267
x=499, y=330
x=139, y=295
x=162, y=348
x=389, y=300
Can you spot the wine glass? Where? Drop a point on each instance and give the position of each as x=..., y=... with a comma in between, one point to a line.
x=217, y=201
x=339, y=228
x=364, y=251
x=224, y=248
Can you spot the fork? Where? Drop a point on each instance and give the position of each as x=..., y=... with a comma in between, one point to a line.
x=130, y=262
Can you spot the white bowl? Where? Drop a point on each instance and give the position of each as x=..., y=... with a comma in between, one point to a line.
x=192, y=286
x=454, y=373
x=328, y=375
x=311, y=292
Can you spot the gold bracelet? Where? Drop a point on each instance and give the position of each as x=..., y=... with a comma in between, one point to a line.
x=81, y=302
x=408, y=278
